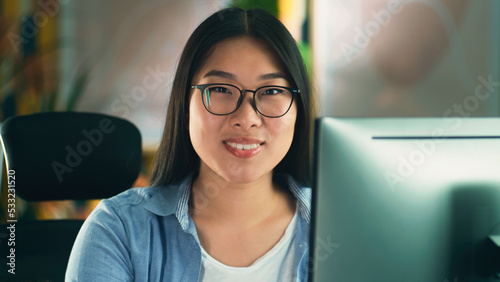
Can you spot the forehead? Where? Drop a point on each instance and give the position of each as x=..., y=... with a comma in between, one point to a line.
x=242, y=56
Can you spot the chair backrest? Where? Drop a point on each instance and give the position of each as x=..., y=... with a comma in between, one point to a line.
x=61, y=156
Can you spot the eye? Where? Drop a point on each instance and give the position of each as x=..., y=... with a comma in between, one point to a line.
x=272, y=91
x=219, y=89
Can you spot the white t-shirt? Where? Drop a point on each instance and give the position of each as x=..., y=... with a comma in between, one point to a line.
x=275, y=265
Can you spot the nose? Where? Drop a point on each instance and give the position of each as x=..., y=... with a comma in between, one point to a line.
x=246, y=116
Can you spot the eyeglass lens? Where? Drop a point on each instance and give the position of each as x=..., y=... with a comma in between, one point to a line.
x=272, y=101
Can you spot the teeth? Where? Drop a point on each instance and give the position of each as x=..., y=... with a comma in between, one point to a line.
x=243, y=146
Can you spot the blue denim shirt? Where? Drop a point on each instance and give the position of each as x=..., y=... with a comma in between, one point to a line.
x=147, y=234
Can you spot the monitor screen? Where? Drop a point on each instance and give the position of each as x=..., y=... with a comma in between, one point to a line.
x=406, y=199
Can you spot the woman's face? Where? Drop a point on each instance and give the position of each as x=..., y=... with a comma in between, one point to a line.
x=218, y=140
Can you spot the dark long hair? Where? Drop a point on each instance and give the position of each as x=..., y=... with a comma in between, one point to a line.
x=176, y=158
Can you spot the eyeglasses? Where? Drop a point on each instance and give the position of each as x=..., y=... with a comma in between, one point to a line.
x=224, y=99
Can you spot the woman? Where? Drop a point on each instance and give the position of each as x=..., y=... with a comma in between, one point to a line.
x=227, y=201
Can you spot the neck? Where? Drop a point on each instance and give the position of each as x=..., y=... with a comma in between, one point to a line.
x=235, y=203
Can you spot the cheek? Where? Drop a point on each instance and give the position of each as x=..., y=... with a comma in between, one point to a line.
x=288, y=121
x=195, y=120
x=284, y=127
x=202, y=124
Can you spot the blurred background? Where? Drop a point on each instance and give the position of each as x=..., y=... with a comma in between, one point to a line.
x=365, y=57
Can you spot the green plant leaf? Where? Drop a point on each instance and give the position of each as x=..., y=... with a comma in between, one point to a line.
x=77, y=90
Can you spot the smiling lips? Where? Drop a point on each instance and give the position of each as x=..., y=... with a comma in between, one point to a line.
x=243, y=147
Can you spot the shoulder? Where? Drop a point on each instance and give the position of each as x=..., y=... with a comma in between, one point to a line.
x=140, y=196
x=141, y=204
x=132, y=196
x=147, y=200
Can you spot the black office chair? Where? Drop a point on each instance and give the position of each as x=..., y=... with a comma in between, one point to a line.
x=61, y=156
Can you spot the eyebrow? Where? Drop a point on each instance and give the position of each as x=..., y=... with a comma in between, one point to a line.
x=223, y=74
x=219, y=73
x=273, y=75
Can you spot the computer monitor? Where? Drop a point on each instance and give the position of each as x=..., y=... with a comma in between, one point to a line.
x=406, y=199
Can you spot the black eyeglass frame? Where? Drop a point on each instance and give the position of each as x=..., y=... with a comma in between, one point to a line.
x=202, y=88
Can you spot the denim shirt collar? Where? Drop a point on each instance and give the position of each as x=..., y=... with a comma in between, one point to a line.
x=172, y=199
